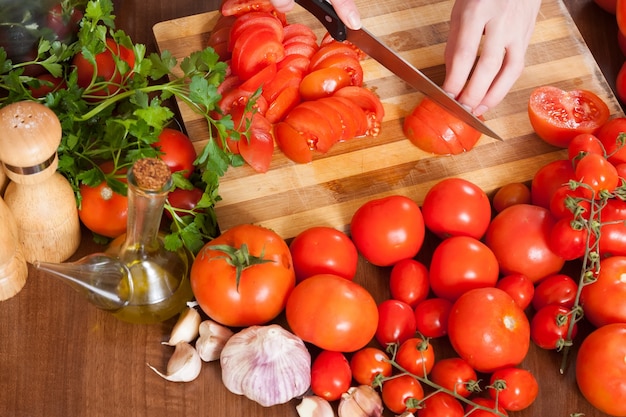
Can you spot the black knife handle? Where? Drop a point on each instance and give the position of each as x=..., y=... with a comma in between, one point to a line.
x=325, y=13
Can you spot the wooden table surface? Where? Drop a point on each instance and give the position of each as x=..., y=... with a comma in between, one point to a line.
x=59, y=356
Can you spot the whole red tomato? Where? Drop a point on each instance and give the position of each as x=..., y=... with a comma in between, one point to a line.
x=601, y=377
x=416, y=355
x=431, y=316
x=613, y=230
x=461, y=263
x=603, y=300
x=323, y=250
x=177, y=151
x=402, y=394
x=456, y=207
x=244, y=276
x=332, y=313
x=489, y=403
x=441, y=404
x=330, y=375
x=520, y=388
x=548, y=179
x=409, y=282
x=388, y=230
x=64, y=21
x=396, y=322
x=568, y=242
x=607, y=5
x=597, y=172
x=491, y=337
x=183, y=201
x=510, y=194
x=557, y=289
x=558, y=116
x=519, y=237
x=550, y=325
x=367, y=363
x=519, y=287
x=455, y=374
x=609, y=136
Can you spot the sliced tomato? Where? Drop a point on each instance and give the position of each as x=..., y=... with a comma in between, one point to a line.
x=238, y=97
x=295, y=61
x=255, y=48
x=286, y=100
x=298, y=30
x=259, y=79
x=356, y=113
x=327, y=39
x=316, y=130
x=369, y=102
x=240, y=7
x=295, y=47
x=257, y=19
x=329, y=115
x=323, y=82
x=258, y=148
x=292, y=143
x=557, y=116
x=285, y=77
x=348, y=63
x=334, y=48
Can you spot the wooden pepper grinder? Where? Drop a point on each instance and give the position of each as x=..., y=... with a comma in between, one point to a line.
x=41, y=200
x=13, y=268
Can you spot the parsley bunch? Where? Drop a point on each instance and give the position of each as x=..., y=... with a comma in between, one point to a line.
x=124, y=119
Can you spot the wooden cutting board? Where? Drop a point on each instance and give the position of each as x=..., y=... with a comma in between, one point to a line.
x=292, y=197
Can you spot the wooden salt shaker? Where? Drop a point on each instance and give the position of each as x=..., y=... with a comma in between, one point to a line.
x=13, y=268
x=41, y=200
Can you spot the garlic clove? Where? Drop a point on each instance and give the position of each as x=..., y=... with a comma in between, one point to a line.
x=213, y=337
x=314, y=406
x=186, y=328
x=361, y=401
x=184, y=364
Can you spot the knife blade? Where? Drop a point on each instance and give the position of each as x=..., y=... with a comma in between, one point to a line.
x=368, y=43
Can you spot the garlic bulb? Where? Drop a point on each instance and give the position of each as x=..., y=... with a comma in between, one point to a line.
x=186, y=328
x=184, y=365
x=361, y=401
x=267, y=364
x=314, y=406
x=213, y=337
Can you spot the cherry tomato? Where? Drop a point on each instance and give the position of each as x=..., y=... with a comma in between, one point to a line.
x=582, y=145
x=332, y=313
x=64, y=21
x=567, y=203
x=519, y=287
x=490, y=337
x=323, y=250
x=520, y=391
x=456, y=207
x=613, y=228
x=250, y=296
x=177, y=151
x=603, y=300
x=388, y=230
x=557, y=289
x=402, y=394
x=441, y=404
x=548, y=179
x=408, y=282
x=46, y=83
x=597, y=172
x=369, y=362
x=330, y=375
x=550, y=325
x=489, y=403
x=184, y=201
x=416, y=355
x=456, y=375
x=459, y=264
x=519, y=237
x=431, y=317
x=601, y=377
x=433, y=129
x=609, y=134
x=568, y=242
x=557, y=116
x=510, y=194
x=396, y=322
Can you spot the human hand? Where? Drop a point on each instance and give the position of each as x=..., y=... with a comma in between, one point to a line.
x=346, y=10
x=507, y=26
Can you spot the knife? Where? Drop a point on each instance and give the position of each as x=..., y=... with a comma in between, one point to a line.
x=368, y=43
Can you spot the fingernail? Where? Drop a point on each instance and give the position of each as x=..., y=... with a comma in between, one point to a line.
x=354, y=20
x=480, y=110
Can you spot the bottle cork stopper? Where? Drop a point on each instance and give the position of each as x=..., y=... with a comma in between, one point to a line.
x=151, y=173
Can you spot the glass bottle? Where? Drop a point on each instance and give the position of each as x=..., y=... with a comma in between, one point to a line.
x=159, y=277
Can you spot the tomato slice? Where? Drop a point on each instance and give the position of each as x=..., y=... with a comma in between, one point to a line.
x=258, y=148
x=330, y=49
x=348, y=63
x=299, y=30
x=241, y=7
x=354, y=113
x=258, y=20
x=260, y=78
x=292, y=143
x=557, y=116
x=285, y=77
x=296, y=61
x=344, y=115
x=286, y=100
x=369, y=102
x=329, y=115
x=323, y=82
x=295, y=47
x=255, y=48
x=317, y=132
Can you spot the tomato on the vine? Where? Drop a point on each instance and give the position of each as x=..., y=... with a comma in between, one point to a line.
x=520, y=389
x=455, y=374
x=367, y=363
x=489, y=403
x=388, y=230
x=550, y=325
x=609, y=134
x=402, y=394
x=441, y=404
x=416, y=355
x=396, y=322
x=568, y=242
x=456, y=207
x=603, y=300
x=431, y=316
x=583, y=144
x=177, y=151
x=461, y=263
x=408, y=281
x=332, y=313
x=330, y=375
x=490, y=337
x=323, y=250
x=249, y=286
x=597, y=172
x=601, y=377
x=557, y=116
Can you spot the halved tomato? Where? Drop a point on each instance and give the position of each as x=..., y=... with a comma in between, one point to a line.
x=557, y=116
